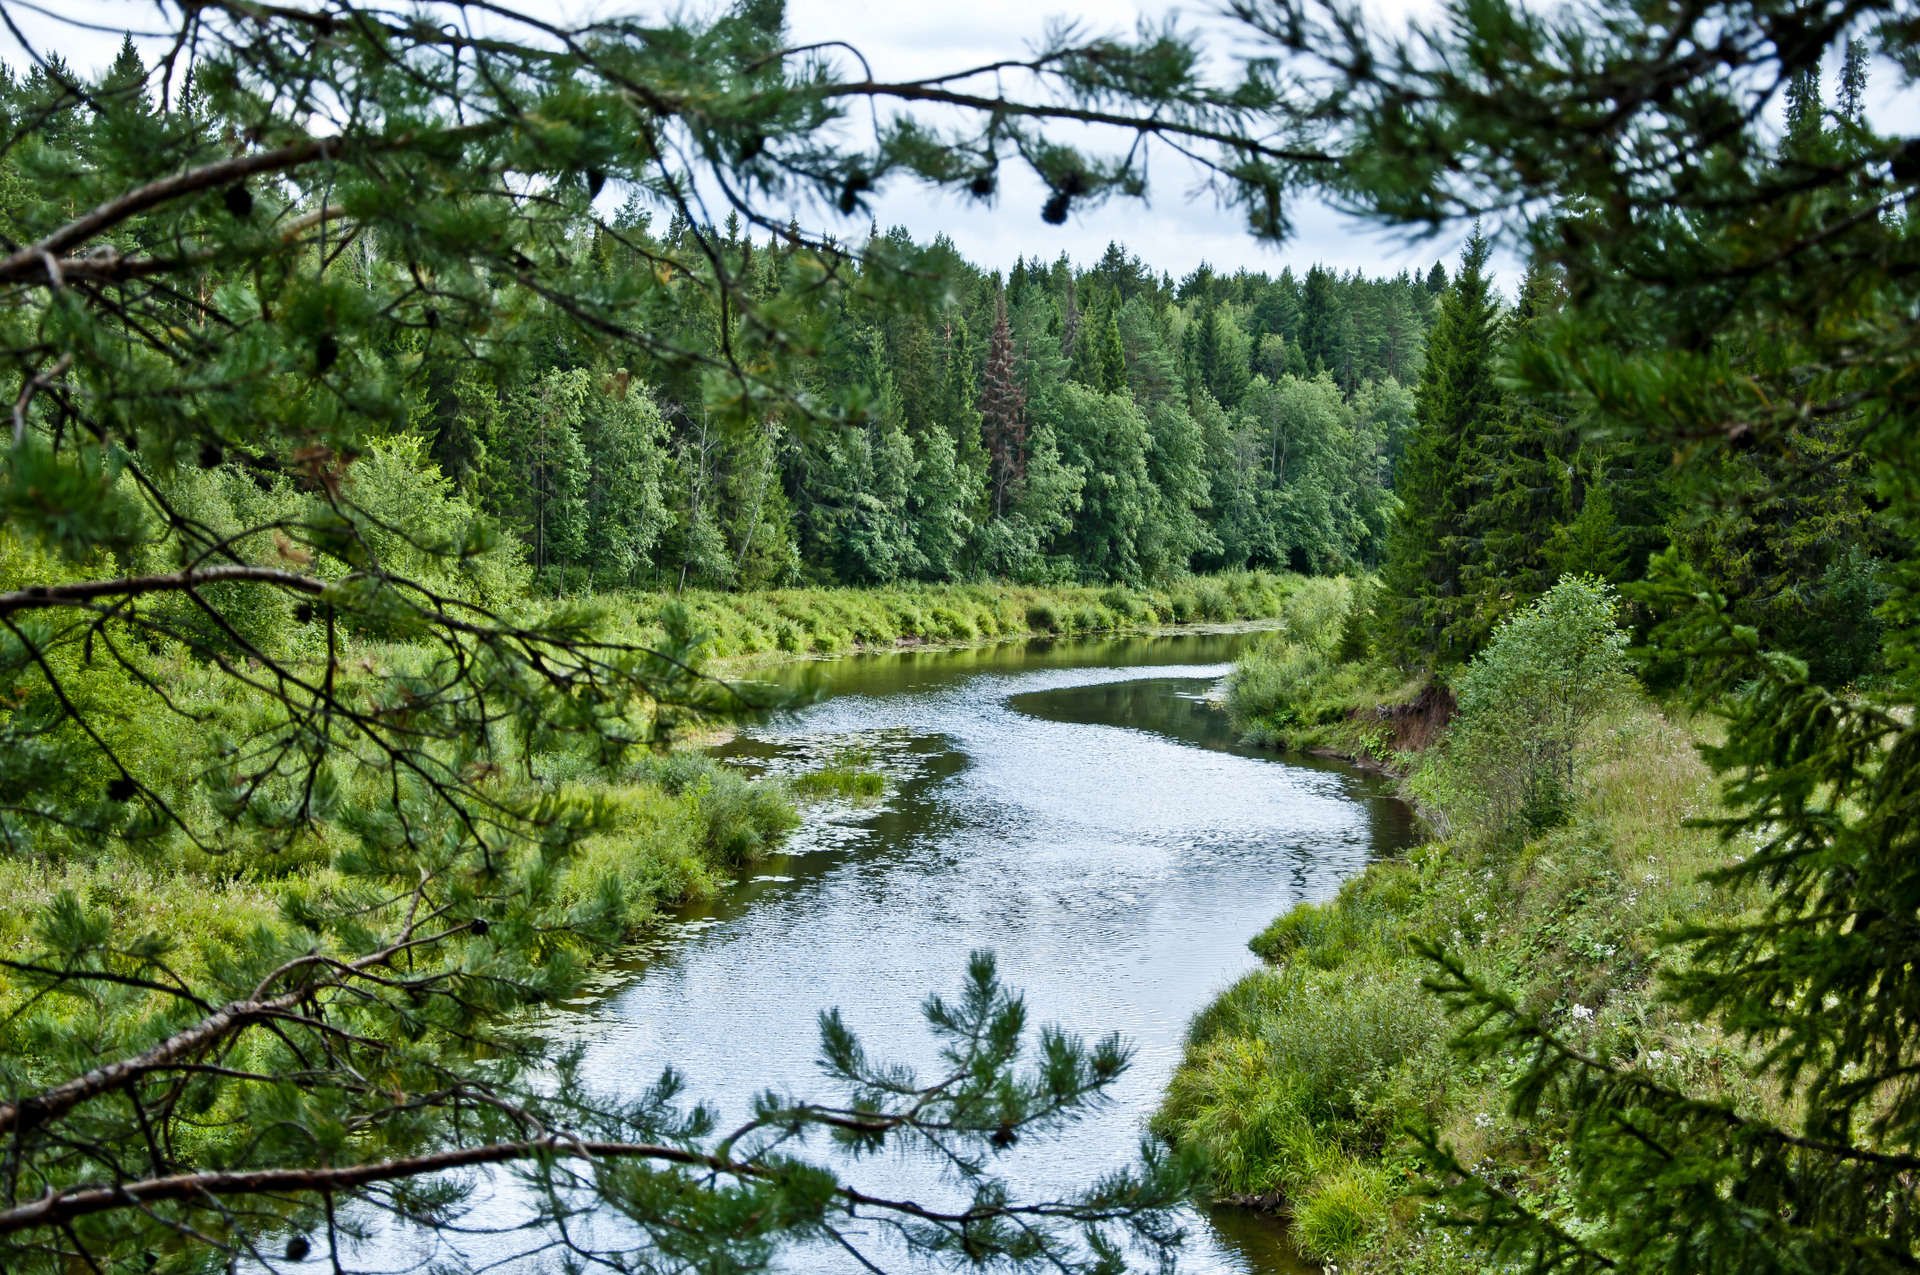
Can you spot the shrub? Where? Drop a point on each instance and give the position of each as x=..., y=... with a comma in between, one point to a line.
x=739, y=820
x=1316, y=612
x=1225, y=1103
x=1042, y=618
x=1524, y=702
x=1275, y=686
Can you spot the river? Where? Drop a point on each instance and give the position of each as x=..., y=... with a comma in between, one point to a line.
x=1079, y=808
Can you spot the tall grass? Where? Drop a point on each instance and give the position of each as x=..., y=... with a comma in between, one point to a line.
x=828, y=621
x=1301, y=687
x=1300, y=1082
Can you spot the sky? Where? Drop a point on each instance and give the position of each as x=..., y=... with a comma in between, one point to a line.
x=1177, y=227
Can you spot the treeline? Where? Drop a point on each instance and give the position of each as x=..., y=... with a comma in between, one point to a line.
x=1062, y=423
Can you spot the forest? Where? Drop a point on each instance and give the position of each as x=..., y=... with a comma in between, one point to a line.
x=418, y=413
x=1095, y=423
x=1062, y=424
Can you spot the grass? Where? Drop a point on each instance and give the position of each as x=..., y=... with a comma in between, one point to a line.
x=850, y=776
x=832, y=621
x=1300, y=689
x=678, y=826
x=1299, y=1083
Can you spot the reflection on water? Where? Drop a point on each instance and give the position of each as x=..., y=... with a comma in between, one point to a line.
x=1076, y=806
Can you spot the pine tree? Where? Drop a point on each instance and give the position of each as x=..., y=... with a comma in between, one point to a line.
x=1319, y=340
x=960, y=417
x=1080, y=338
x=1804, y=124
x=256, y=644
x=1725, y=310
x=1530, y=487
x=1222, y=357
x=624, y=439
x=541, y=449
x=1853, y=82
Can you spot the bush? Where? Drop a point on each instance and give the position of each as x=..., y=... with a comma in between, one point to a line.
x=1316, y=612
x=1524, y=701
x=1276, y=685
x=739, y=820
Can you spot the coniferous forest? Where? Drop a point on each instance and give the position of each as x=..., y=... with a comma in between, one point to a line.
x=432, y=426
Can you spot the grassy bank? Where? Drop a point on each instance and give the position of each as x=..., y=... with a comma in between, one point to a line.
x=666, y=829
x=1304, y=1083
x=1306, y=687
x=831, y=621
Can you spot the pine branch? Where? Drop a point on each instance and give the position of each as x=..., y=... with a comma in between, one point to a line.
x=26, y=1114
x=82, y=593
x=40, y=260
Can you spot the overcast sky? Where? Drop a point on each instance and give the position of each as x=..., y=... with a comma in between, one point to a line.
x=1177, y=228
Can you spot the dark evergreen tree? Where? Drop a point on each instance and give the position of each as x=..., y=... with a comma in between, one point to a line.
x=1732, y=309
x=1435, y=621
x=1531, y=486
x=1111, y=354
x=1805, y=111
x=1320, y=335
x=1853, y=82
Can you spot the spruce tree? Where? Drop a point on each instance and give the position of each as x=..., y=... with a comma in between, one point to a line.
x=1804, y=111
x=1319, y=338
x=1459, y=409
x=1112, y=355
x=1530, y=487
x=960, y=417
x=1080, y=337
x=1853, y=82
x=1724, y=308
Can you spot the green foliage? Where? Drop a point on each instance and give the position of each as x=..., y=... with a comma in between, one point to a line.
x=1736, y=338
x=1302, y=689
x=1335, y=1216
x=831, y=621
x=328, y=337
x=1435, y=621
x=1524, y=702
x=1309, y=1083
x=849, y=775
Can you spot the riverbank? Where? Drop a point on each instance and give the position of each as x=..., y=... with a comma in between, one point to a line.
x=668, y=829
x=1310, y=1084
x=800, y=623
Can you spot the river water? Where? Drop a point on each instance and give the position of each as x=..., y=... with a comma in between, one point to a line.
x=1078, y=807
